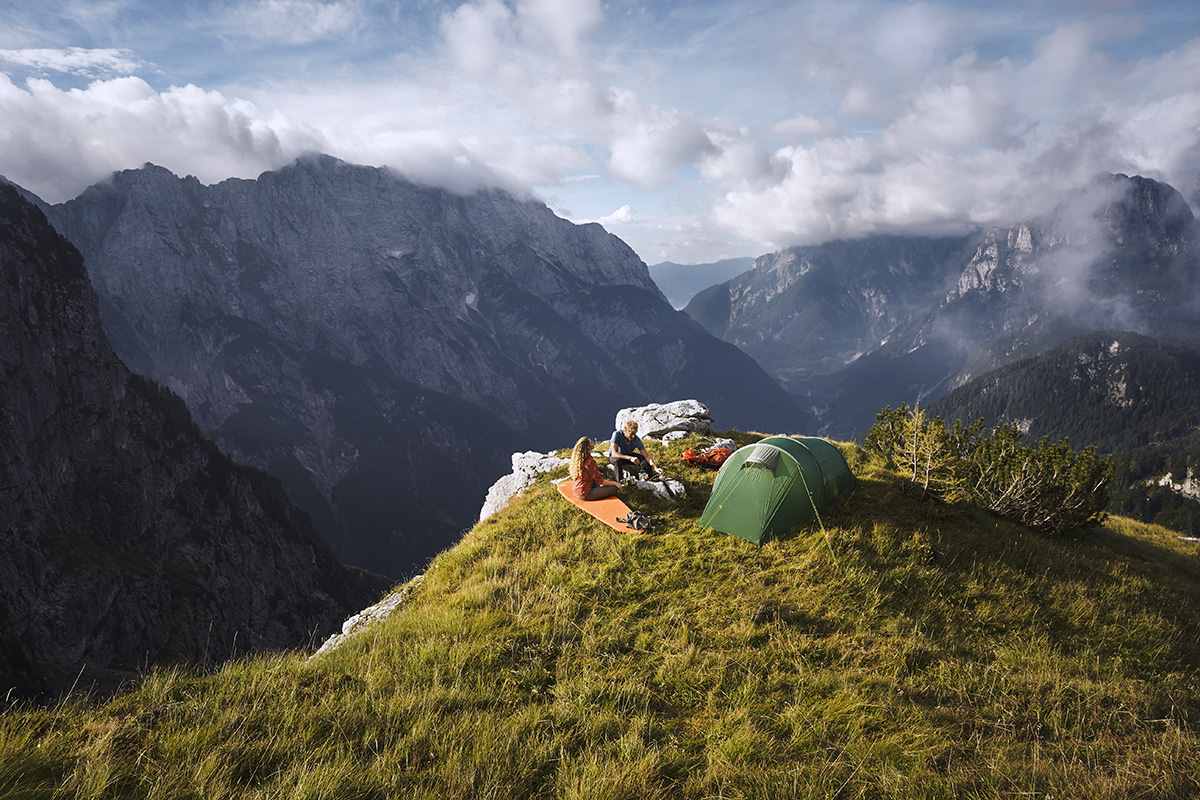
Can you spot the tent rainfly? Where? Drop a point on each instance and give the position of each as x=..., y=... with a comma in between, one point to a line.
x=766, y=489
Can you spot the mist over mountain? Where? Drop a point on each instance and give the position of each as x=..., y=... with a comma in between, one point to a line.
x=383, y=346
x=907, y=319
x=128, y=537
x=681, y=282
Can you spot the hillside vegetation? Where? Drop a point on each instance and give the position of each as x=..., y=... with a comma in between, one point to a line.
x=911, y=649
x=1128, y=395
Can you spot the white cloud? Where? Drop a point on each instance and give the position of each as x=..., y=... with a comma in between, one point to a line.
x=294, y=22
x=982, y=143
x=755, y=122
x=67, y=139
x=478, y=35
x=737, y=158
x=621, y=216
x=801, y=126
x=87, y=62
x=651, y=152
x=563, y=23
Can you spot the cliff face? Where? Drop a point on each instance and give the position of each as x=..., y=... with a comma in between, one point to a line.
x=809, y=311
x=382, y=346
x=127, y=538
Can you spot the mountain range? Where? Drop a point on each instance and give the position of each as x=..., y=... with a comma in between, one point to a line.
x=382, y=346
x=852, y=326
x=128, y=537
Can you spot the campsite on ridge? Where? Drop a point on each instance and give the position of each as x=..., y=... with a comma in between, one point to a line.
x=599, y=400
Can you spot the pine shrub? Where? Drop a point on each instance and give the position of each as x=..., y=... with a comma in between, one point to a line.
x=1045, y=485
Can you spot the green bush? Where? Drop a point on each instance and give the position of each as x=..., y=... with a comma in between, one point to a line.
x=1045, y=485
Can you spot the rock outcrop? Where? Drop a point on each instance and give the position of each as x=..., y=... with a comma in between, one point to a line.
x=382, y=346
x=526, y=467
x=371, y=615
x=658, y=419
x=126, y=537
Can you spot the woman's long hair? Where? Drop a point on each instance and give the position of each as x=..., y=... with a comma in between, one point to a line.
x=580, y=453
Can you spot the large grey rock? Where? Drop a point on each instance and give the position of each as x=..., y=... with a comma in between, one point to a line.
x=371, y=615
x=126, y=537
x=658, y=419
x=526, y=467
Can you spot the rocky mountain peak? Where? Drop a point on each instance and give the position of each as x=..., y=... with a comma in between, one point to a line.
x=382, y=345
x=1146, y=207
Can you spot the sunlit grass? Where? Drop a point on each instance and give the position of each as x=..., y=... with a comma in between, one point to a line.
x=911, y=650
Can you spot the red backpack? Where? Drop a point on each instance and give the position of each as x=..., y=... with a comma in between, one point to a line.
x=712, y=458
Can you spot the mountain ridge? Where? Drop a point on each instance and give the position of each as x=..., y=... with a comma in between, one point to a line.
x=383, y=346
x=1122, y=252
x=545, y=655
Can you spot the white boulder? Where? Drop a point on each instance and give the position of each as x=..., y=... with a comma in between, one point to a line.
x=658, y=419
x=672, y=436
x=526, y=467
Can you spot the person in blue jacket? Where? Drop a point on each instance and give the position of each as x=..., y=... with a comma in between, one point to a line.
x=628, y=455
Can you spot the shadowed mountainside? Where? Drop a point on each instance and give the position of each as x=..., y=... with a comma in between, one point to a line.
x=126, y=537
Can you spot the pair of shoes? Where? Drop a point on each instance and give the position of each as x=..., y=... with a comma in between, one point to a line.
x=638, y=521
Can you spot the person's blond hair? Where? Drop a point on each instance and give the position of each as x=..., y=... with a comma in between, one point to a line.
x=630, y=427
x=582, y=449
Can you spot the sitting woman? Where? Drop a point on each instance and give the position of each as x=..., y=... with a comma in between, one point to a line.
x=586, y=475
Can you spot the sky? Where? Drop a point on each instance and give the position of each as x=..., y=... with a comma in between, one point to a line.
x=695, y=131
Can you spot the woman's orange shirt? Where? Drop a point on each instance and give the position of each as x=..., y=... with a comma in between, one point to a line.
x=589, y=476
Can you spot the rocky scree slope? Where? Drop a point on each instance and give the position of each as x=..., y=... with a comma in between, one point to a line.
x=1124, y=252
x=911, y=650
x=383, y=346
x=126, y=537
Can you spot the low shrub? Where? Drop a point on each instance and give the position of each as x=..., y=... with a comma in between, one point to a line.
x=1045, y=485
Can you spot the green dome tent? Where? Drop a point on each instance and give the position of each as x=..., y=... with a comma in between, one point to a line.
x=776, y=485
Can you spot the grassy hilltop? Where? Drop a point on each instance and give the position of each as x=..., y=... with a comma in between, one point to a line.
x=911, y=650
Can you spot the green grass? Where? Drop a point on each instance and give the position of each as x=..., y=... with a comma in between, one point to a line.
x=914, y=650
